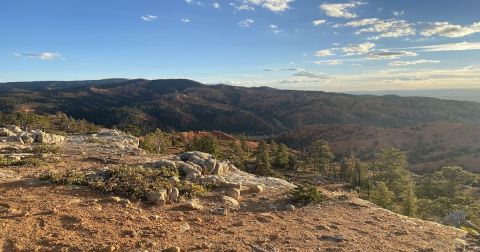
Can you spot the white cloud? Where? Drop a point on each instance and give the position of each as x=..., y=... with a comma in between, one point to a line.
x=242, y=7
x=194, y=2
x=386, y=54
x=41, y=56
x=361, y=22
x=358, y=49
x=445, y=29
x=149, y=18
x=398, y=13
x=216, y=5
x=275, y=29
x=414, y=62
x=311, y=75
x=185, y=20
x=324, y=53
x=273, y=5
x=282, y=69
x=340, y=10
x=318, y=22
x=463, y=46
x=392, y=28
x=246, y=23
x=329, y=62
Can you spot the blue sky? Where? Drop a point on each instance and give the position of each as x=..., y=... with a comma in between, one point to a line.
x=291, y=44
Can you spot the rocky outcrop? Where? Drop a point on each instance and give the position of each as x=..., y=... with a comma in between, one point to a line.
x=14, y=134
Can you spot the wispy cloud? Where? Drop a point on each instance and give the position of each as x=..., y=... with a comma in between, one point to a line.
x=414, y=62
x=194, y=2
x=340, y=10
x=318, y=22
x=324, y=53
x=398, y=13
x=273, y=5
x=445, y=29
x=216, y=5
x=391, y=28
x=242, y=6
x=149, y=18
x=275, y=29
x=185, y=20
x=462, y=46
x=41, y=56
x=358, y=49
x=329, y=62
x=246, y=23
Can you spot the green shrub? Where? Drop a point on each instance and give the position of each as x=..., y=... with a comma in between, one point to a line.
x=5, y=162
x=45, y=148
x=127, y=181
x=305, y=194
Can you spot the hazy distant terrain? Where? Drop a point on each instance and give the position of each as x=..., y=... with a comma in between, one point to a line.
x=461, y=94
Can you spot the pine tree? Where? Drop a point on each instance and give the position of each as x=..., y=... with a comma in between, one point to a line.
x=410, y=201
x=320, y=155
x=282, y=156
x=263, y=159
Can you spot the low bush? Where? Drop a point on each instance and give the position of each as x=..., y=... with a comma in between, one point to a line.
x=305, y=194
x=127, y=181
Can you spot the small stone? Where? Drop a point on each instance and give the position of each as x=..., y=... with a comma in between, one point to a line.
x=256, y=189
x=229, y=202
x=221, y=211
x=109, y=249
x=233, y=193
x=184, y=227
x=192, y=205
x=172, y=249
x=156, y=197
x=290, y=207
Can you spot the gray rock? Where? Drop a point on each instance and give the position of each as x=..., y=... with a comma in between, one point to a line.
x=229, y=202
x=158, y=198
x=173, y=194
x=15, y=129
x=4, y=132
x=256, y=189
x=233, y=193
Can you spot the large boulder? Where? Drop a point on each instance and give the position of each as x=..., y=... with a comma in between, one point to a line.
x=15, y=129
x=45, y=138
x=190, y=169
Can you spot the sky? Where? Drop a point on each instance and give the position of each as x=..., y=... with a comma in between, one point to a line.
x=289, y=44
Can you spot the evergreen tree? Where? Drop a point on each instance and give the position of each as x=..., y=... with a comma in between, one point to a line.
x=320, y=155
x=282, y=156
x=382, y=196
x=263, y=159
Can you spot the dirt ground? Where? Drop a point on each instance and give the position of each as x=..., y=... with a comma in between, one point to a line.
x=39, y=216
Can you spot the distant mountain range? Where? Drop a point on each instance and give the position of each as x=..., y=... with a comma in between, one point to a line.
x=459, y=94
x=182, y=104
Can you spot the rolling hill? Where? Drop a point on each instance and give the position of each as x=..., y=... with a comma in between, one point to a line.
x=188, y=105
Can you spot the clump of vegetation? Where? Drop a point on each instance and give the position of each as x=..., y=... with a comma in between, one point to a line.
x=45, y=148
x=208, y=144
x=305, y=194
x=127, y=181
x=156, y=142
x=58, y=123
x=32, y=161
